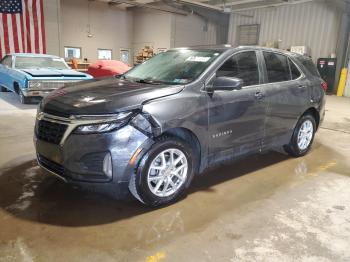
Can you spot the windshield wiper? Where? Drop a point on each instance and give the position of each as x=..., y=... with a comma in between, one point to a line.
x=145, y=80
x=149, y=81
x=53, y=68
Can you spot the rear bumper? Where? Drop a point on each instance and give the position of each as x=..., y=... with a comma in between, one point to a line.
x=322, y=110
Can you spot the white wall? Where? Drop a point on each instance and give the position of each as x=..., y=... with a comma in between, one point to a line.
x=66, y=23
x=314, y=24
x=151, y=28
x=166, y=30
x=111, y=28
x=52, y=26
x=192, y=30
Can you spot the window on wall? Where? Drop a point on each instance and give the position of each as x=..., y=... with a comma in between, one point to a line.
x=244, y=66
x=104, y=54
x=72, y=52
x=248, y=34
x=124, y=56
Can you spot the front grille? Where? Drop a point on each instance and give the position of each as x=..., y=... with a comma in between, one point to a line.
x=49, y=85
x=50, y=132
x=50, y=165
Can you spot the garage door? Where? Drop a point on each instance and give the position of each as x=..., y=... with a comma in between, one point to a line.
x=248, y=34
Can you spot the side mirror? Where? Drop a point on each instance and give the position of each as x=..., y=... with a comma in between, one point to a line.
x=224, y=83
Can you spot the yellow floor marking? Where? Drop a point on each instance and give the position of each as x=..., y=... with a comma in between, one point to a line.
x=323, y=167
x=156, y=257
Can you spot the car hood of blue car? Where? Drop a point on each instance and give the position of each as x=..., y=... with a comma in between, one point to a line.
x=44, y=72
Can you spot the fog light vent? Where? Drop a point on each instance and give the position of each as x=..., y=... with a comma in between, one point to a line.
x=107, y=165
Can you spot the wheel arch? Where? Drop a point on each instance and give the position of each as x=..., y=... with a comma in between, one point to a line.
x=16, y=87
x=314, y=112
x=189, y=137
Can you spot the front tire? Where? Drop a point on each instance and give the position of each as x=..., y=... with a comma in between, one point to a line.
x=164, y=173
x=22, y=98
x=303, y=136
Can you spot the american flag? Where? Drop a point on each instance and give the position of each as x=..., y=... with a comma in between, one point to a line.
x=22, y=28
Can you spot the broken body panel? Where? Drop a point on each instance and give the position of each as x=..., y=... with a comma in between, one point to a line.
x=221, y=125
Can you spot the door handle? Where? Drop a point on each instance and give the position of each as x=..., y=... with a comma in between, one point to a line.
x=301, y=86
x=259, y=95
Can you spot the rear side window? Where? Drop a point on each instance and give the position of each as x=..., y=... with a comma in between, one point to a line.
x=244, y=66
x=294, y=70
x=277, y=67
x=7, y=61
x=310, y=66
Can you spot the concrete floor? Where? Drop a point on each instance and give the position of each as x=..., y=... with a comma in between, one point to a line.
x=266, y=208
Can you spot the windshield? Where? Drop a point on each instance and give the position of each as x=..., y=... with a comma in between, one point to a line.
x=26, y=62
x=173, y=67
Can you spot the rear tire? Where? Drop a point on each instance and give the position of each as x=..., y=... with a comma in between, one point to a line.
x=303, y=136
x=164, y=173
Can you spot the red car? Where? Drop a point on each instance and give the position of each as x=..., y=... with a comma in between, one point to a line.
x=104, y=68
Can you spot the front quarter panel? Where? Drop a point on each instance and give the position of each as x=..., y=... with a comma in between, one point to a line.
x=9, y=76
x=187, y=109
x=20, y=77
x=3, y=76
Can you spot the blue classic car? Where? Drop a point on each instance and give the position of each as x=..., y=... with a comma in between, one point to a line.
x=35, y=75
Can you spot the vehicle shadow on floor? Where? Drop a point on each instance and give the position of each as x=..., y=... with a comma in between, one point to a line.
x=12, y=99
x=26, y=192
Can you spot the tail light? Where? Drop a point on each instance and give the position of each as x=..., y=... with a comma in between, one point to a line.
x=324, y=86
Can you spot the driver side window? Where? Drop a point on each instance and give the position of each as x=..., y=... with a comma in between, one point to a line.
x=244, y=66
x=7, y=61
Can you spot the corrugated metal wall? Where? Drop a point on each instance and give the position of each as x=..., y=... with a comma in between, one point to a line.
x=314, y=24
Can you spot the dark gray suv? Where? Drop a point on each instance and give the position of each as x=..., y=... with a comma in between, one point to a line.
x=152, y=129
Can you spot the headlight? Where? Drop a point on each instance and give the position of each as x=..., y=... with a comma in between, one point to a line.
x=111, y=124
x=97, y=128
x=34, y=84
x=141, y=123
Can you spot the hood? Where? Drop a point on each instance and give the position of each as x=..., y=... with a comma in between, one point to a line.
x=103, y=96
x=41, y=72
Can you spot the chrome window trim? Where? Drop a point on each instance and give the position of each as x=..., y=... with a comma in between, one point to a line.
x=302, y=75
x=219, y=66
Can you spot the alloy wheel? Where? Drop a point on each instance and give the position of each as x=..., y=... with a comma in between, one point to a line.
x=305, y=135
x=167, y=172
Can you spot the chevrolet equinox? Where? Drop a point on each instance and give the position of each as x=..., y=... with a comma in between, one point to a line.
x=152, y=129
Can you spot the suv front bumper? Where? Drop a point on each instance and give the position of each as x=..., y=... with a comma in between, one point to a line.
x=80, y=158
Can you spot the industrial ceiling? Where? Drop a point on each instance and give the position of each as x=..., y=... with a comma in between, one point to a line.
x=224, y=6
x=218, y=5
